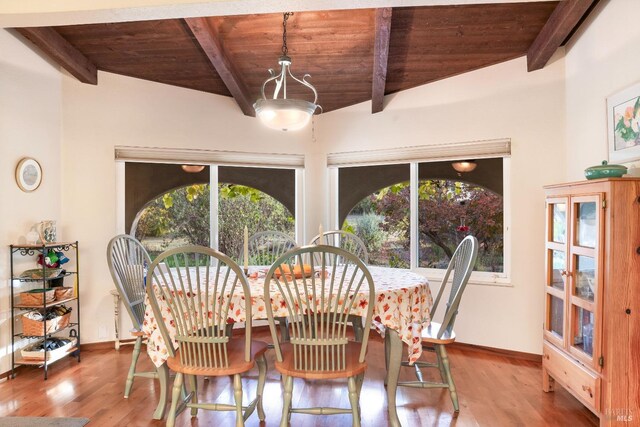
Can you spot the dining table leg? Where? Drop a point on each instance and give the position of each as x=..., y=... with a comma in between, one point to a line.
x=393, y=372
x=163, y=378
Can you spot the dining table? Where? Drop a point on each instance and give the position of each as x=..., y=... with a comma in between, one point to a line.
x=401, y=310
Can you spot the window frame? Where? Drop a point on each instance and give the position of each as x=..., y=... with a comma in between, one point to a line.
x=436, y=275
x=213, y=159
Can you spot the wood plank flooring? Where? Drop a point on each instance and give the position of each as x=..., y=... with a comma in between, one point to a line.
x=494, y=391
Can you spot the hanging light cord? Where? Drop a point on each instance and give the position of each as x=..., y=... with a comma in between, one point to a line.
x=286, y=16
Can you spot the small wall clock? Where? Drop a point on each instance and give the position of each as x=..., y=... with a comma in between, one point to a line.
x=28, y=174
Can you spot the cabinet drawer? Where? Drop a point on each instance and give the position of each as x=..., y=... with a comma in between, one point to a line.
x=582, y=383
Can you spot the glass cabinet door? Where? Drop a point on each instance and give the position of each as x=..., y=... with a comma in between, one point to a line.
x=585, y=277
x=557, y=241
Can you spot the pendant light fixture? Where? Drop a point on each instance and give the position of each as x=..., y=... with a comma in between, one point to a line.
x=285, y=113
x=464, y=166
x=192, y=168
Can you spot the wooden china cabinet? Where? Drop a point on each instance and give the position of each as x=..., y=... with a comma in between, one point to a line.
x=592, y=311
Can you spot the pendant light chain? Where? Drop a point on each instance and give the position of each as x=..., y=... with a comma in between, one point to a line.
x=286, y=16
x=279, y=111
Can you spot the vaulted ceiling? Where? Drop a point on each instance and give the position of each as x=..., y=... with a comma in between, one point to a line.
x=352, y=55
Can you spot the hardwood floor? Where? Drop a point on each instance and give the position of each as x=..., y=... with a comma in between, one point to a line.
x=494, y=391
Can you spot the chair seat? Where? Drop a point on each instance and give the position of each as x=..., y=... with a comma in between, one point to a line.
x=353, y=366
x=430, y=335
x=235, y=354
x=136, y=333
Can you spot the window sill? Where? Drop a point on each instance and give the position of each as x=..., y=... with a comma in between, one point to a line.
x=481, y=279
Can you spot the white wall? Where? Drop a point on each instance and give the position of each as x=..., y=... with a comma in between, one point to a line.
x=30, y=126
x=126, y=111
x=602, y=61
x=499, y=101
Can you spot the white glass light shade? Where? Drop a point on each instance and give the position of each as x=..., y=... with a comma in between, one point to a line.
x=192, y=168
x=464, y=166
x=284, y=114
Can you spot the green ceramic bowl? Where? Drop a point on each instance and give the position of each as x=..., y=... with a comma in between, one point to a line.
x=605, y=171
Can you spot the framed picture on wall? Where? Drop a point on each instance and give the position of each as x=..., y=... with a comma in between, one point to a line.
x=623, y=124
x=28, y=174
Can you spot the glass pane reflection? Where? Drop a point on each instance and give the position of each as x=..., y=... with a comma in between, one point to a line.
x=557, y=316
x=585, y=277
x=559, y=264
x=559, y=215
x=583, y=338
x=586, y=227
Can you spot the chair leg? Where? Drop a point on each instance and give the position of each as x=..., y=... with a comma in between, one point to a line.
x=386, y=355
x=283, y=323
x=175, y=398
x=132, y=368
x=359, y=381
x=163, y=378
x=358, y=330
x=286, y=404
x=393, y=372
x=262, y=374
x=193, y=384
x=447, y=369
x=237, y=394
x=354, y=398
x=443, y=373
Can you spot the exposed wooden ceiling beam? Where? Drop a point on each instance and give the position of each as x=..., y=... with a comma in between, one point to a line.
x=208, y=40
x=380, y=57
x=61, y=51
x=566, y=16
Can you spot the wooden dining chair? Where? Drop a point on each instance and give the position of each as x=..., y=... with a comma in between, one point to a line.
x=204, y=289
x=353, y=244
x=128, y=263
x=437, y=335
x=317, y=308
x=267, y=246
x=345, y=240
x=264, y=248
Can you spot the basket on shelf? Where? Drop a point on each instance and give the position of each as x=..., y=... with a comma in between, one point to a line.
x=36, y=328
x=63, y=293
x=29, y=352
x=37, y=296
x=37, y=273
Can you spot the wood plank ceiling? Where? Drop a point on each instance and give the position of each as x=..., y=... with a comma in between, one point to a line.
x=352, y=55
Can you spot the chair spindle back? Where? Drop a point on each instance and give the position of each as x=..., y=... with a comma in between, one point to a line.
x=318, y=306
x=461, y=263
x=128, y=263
x=266, y=246
x=202, y=288
x=345, y=240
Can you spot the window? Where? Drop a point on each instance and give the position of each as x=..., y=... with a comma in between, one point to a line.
x=181, y=217
x=450, y=210
x=449, y=205
x=176, y=218
x=452, y=205
x=365, y=193
x=239, y=205
x=167, y=207
x=381, y=220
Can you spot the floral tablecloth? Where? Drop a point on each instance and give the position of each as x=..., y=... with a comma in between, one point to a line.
x=402, y=302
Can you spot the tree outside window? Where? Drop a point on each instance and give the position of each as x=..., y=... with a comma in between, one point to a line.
x=182, y=217
x=447, y=212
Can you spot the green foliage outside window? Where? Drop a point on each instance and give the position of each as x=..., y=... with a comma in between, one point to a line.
x=447, y=212
x=181, y=217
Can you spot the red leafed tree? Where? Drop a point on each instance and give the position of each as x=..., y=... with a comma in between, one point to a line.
x=447, y=212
